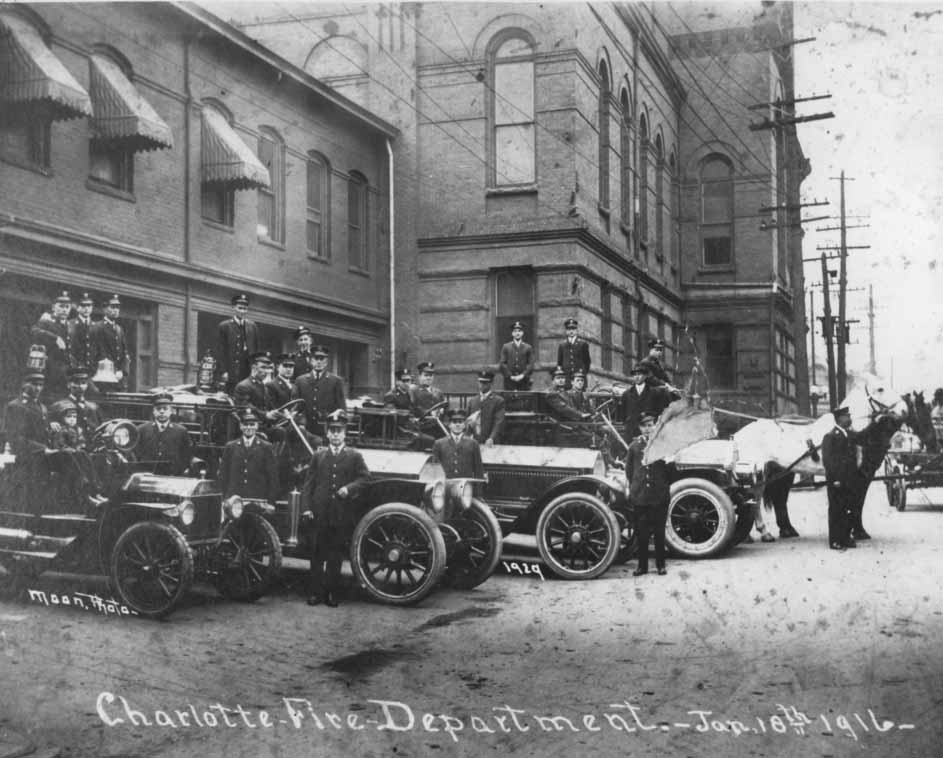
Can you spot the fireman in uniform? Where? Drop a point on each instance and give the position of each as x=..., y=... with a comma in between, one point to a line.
x=459, y=454
x=517, y=360
x=52, y=332
x=302, y=357
x=109, y=342
x=573, y=352
x=400, y=397
x=238, y=339
x=649, y=490
x=322, y=391
x=80, y=334
x=248, y=467
x=163, y=446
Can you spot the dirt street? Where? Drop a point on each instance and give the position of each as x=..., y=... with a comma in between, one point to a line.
x=784, y=649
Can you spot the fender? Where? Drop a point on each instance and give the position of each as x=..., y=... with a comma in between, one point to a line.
x=586, y=483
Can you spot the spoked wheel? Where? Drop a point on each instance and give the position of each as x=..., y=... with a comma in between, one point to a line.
x=896, y=488
x=578, y=536
x=248, y=558
x=151, y=568
x=701, y=519
x=628, y=544
x=473, y=546
x=397, y=553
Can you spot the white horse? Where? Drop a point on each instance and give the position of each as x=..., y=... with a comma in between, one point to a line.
x=780, y=447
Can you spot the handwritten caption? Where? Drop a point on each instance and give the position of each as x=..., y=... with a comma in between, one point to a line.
x=396, y=716
x=78, y=600
x=523, y=568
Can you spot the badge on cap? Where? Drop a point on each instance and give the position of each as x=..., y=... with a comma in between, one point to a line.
x=162, y=398
x=426, y=367
x=86, y=299
x=320, y=350
x=570, y=323
x=301, y=331
x=517, y=325
x=337, y=419
x=403, y=375
x=457, y=414
x=485, y=375
x=263, y=356
x=654, y=343
x=240, y=299
x=113, y=300
x=558, y=371
x=63, y=298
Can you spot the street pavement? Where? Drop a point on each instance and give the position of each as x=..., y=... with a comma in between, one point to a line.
x=784, y=650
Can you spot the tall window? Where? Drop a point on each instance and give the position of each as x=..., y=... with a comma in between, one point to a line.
x=674, y=212
x=603, y=114
x=24, y=140
x=721, y=367
x=112, y=166
x=785, y=363
x=514, y=301
x=513, y=143
x=643, y=184
x=606, y=336
x=357, y=233
x=628, y=335
x=659, y=199
x=717, y=212
x=317, y=205
x=627, y=174
x=272, y=198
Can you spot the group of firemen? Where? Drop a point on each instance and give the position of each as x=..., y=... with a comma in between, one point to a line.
x=262, y=386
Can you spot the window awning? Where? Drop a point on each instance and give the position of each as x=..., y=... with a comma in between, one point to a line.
x=31, y=76
x=226, y=158
x=121, y=114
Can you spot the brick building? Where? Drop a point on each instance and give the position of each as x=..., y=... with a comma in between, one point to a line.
x=154, y=151
x=580, y=160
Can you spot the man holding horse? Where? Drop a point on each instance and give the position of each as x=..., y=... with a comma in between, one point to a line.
x=840, y=458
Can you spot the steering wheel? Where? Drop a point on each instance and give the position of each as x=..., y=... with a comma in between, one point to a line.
x=435, y=407
x=281, y=410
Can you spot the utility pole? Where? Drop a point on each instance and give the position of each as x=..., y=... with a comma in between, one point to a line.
x=812, y=330
x=828, y=330
x=872, y=365
x=842, y=284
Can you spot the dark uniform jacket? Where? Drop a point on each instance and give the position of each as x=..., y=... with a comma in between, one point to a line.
x=250, y=393
x=648, y=485
x=401, y=400
x=326, y=475
x=561, y=405
x=277, y=393
x=236, y=343
x=47, y=332
x=249, y=470
x=322, y=396
x=517, y=359
x=652, y=399
x=108, y=341
x=90, y=417
x=81, y=352
x=658, y=371
x=302, y=364
x=491, y=421
x=461, y=459
x=840, y=458
x=25, y=426
x=167, y=452
x=573, y=356
x=425, y=397
x=579, y=401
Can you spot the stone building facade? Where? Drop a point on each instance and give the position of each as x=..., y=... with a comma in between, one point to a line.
x=154, y=151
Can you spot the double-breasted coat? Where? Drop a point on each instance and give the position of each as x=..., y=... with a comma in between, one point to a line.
x=517, y=358
x=26, y=426
x=48, y=331
x=250, y=393
x=167, y=452
x=249, y=470
x=561, y=405
x=81, y=352
x=237, y=341
x=109, y=341
x=491, y=421
x=572, y=356
x=649, y=486
x=322, y=394
x=327, y=473
x=277, y=393
x=460, y=458
x=652, y=399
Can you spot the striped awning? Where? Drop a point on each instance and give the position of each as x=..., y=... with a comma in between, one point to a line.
x=32, y=77
x=120, y=112
x=226, y=158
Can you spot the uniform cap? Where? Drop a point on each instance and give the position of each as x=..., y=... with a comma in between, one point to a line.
x=427, y=367
x=248, y=414
x=648, y=418
x=113, y=300
x=78, y=373
x=63, y=297
x=301, y=331
x=653, y=343
x=320, y=350
x=642, y=367
x=86, y=299
x=570, y=323
x=456, y=414
x=486, y=375
x=842, y=411
x=517, y=325
x=61, y=407
x=263, y=356
x=31, y=376
x=162, y=398
x=337, y=418
x=403, y=375
x=558, y=371
x=282, y=358
x=240, y=299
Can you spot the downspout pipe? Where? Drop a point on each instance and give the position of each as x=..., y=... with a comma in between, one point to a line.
x=391, y=208
x=187, y=170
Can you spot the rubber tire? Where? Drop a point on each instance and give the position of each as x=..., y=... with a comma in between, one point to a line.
x=252, y=592
x=458, y=576
x=722, y=537
x=890, y=485
x=184, y=557
x=628, y=544
x=901, y=485
x=549, y=555
x=429, y=529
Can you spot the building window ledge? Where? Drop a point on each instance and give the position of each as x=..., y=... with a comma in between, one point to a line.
x=26, y=165
x=319, y=258
x=727, y=268
x=218, y=225
x=359, y=271
x=517, y=189
x=269, y=242
x=105, y=189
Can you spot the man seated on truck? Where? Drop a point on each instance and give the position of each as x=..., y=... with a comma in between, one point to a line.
x=559, y=400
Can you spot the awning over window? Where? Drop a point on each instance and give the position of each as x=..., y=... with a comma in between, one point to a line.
x=121, y=114
x=31, y=76
x=226, y=158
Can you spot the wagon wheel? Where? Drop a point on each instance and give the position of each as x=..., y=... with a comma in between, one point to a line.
x=701, y=519
x=578, y=536
x=248, y=558
x=151, y=568
x=900, y=487
x=474, y=555
x=397, y=553
x=890, y=484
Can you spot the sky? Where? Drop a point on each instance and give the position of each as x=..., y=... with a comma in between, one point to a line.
x=882, y=63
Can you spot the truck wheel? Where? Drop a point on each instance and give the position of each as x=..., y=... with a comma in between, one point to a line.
x=701, y=519
x=247, y=559
x=474, y=555
x=578, y=536
x=397, y=553
x=151, y=568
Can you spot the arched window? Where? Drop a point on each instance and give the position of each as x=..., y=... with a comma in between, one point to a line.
x=660, y=203
x=511, y=113
x=674, y=212
x=643, y=184
x=627, y=149
x=716, y=194
x=272, y=199
x=317, y=206
x=604, y=90
x=358, y=235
